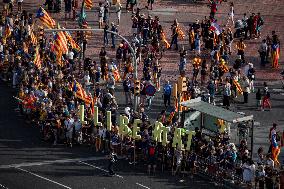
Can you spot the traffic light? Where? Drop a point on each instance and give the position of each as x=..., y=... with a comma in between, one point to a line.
x=136, y=87
x=182, y=84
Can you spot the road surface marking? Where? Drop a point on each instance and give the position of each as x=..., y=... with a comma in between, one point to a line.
x=142, y=185
x=99, y=168
x=278, y=90
x=50, y=162
x=24, y=170
x=9, y=140
x=2, y=186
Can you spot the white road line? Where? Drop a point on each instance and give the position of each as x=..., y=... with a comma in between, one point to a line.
x=9, y=140
x=142, y=185
x=2, y=186
x=49, y=162
x=99, y=168
x=43, y=177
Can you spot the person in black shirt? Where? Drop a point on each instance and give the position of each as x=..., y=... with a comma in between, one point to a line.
x=105, y=34
x=174, y=35
x=112, y=159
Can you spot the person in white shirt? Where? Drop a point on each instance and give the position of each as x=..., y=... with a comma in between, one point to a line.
x=78, y=133
x=231, y=14
x=269, y=161
x=69, y=125
x=101, y=14
x=102, y=135
x=118, y=7
x=248, y=172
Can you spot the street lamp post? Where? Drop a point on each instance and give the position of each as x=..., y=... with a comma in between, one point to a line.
x=117, y=34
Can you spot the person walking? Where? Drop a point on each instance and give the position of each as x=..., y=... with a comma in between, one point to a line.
x=113, y=29
x=167, y=94
x=118, y=8
x=174, y=34
x=231, y=14
x=258, y=97
x=246, y=88
x=101, y=14
x=127, y=91
x=275, y=50
x=227, y=94
x=112, y=159
x=266, y=98
x=105, y=34
x=262, y=52
x=241, y=47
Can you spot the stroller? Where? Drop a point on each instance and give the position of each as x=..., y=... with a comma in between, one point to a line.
x=240, y=29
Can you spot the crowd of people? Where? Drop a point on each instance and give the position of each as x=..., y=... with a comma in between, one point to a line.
x=50, y=91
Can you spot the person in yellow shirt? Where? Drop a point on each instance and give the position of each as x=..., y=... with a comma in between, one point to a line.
x=241, y=49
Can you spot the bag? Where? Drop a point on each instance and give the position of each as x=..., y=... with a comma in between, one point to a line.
x=152, y=151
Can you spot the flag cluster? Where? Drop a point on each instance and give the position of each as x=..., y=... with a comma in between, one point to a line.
x=45, y=18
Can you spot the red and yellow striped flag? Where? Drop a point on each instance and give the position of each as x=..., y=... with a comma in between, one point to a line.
x=8, y=31
x=72, y=42
x=238, y=86
x=33, y=38
x=116, y=74
x=37, y=60
x=163, y=35
x=60, y=43
x=88, y=4
x=45, y=18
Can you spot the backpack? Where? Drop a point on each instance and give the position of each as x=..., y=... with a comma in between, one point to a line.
x=152, y=151
x=167, y=90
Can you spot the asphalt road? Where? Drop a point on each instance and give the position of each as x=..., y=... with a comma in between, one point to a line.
x=28, y=163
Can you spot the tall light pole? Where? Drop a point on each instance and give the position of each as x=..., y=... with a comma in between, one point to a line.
x=117, y=34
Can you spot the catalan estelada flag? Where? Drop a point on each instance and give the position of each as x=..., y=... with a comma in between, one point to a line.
x=88, y=4
x=45, y=18
x=33, y=38
x=37, y=60
x=72, y=42
x=60, y=43
x=81, y=93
